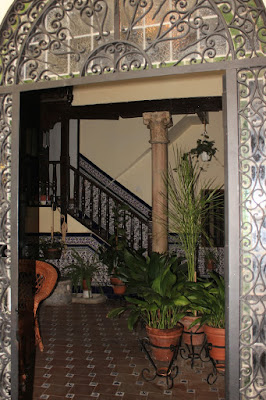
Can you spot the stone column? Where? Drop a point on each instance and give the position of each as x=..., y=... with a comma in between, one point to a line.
x=158, y=123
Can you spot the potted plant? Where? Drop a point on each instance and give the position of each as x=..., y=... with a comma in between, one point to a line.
x=158, y=299
x=51, y=249
x=211, y=259
x=188, y=209
x=112, y=254
x=81, y=272
x=205, y=148
x=211, y=305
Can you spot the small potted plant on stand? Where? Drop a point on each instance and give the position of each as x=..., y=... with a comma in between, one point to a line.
x=81, y=272
x=211, y=306
x=158, y=299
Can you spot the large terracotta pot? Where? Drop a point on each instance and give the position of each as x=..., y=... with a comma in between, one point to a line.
x=216, y=337
x=118, y=286
x=164, y=338
x=198, y=337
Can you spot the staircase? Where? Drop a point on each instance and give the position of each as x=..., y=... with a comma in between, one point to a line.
x=92, y=199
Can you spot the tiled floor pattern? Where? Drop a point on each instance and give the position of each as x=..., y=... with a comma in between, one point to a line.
x=88, y=356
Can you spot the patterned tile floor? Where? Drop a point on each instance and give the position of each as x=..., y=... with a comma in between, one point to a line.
x=89, y=356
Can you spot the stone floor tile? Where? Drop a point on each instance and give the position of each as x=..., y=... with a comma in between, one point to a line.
x=58, y=380
x=202, y=395
x=81, y=389
x=113, y=354
x=106, y=389
x=57, y=390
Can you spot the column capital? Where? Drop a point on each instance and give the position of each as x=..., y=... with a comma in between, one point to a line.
x=158, y=122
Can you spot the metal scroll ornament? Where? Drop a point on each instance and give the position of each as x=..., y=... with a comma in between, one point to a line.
x=252, y=150
x=44, y=40
x=5, y=293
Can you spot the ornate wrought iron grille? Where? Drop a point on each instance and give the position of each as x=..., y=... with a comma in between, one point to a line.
x=252, y=150
x=5, y=290
x=59, y=39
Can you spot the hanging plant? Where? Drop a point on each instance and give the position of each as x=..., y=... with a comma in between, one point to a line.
x=204, y=146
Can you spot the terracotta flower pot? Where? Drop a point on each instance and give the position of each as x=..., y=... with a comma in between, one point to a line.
x=198, y=337
x=52, y=253
x=119, y=289
x=216, y=337
x=118, y=286
x=210, y=265
x=44, y=200
x=164, y=338
x=116, y=281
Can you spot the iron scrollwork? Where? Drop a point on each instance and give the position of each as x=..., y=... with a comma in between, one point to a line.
x=5, y=294
x=60, y=39
x=252, y=150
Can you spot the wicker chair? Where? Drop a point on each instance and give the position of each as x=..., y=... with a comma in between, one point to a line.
x=46, y=278
x=44, y=281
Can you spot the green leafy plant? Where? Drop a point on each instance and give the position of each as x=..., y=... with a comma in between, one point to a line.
x=211, y=256
x=189, y=206
x=81, y=269
x=48, y=244
x=209, y=301
x=157, y=283
x=112, y=254
x=204, y=146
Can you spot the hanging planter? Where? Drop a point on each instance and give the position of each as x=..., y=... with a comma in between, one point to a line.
x=205, y=148
x=205, y=157
x=52, y=253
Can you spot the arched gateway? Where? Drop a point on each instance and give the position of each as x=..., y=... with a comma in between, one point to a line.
x=53, y=43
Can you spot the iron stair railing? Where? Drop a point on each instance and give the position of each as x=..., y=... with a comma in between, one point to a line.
x=93, y=206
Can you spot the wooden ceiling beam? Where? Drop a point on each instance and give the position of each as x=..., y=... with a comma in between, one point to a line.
x=134, y=109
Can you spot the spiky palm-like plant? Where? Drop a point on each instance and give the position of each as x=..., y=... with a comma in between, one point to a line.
x=189, y=206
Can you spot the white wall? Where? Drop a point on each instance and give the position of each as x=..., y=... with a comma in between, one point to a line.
x=163, y=87
x=122, y=149
x=4, y=6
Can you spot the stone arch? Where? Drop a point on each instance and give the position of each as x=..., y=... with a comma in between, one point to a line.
x=68, y=41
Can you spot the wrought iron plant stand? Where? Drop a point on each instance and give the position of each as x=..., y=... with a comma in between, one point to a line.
x=218, y=366
x=189, y=350
x=169, y=373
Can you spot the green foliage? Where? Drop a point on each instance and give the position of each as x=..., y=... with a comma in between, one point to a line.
x=189, y=206
x=112, y=255
x=81, y=269
x=159, y=281
x=209, y=301
x=55, y=243
x=47, y=244
x=204, y=145
x=211, y=255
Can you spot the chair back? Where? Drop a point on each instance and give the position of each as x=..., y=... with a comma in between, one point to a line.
x=46, y=278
